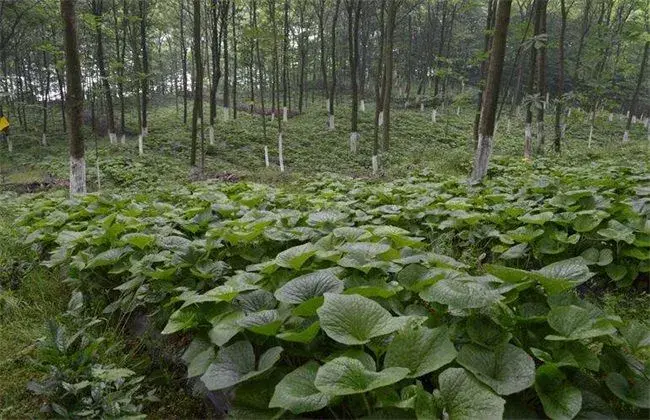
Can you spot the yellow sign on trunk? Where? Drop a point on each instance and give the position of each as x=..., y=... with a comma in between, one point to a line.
x=4, y=123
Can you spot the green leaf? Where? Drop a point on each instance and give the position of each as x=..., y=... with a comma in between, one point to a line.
x=560, y=399
x=515, y=252
x=354, y=319
x=199, y=364
x=266, y=322
x=139, y=240
x=297, y=393
x=224, y=327
x=465, y=398
x=506, y=369
x=536, y=219
x=236, y=363
x=576, y=323
x=636, y=393
x=182, y=319
x=562, y=275
x=617, y=231
x=637, y=335
x=301, y=336
x=422, y=350
x=109, y=257
x=463, y=292
x=295, y=257
x=309, y=286
x=587, y=220
x=346, y=376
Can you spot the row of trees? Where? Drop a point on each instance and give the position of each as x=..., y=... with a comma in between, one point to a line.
x=417, y=52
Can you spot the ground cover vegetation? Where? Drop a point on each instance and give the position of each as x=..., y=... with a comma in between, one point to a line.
x=324, y=209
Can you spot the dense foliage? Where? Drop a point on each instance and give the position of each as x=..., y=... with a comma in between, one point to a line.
x=406, y=298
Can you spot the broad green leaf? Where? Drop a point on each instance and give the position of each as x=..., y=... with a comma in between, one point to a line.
x=576, y=323
x=514, y=252
x=562, y=275
x=181, y=319
x=310, y=285
x=224, y=327
x=506, y=369
x=617, y=231
x=465, y=398
x=636, y=392
x=236, y=363
x=139, y=240
x=422, y=350
x=301, y=336
x=463, y=293
x=295, y=257
x=587, y=220
x=109, y=257
x=199, y=364
x=560, y=399
x=354, y=319
x=637, y=335
x=297, y=393
x=346, y=376
x=266, y=322
x=536, y=219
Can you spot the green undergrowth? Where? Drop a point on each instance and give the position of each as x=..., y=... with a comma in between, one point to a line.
x=349, y=297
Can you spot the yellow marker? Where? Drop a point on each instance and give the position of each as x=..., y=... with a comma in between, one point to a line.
x=4, y=123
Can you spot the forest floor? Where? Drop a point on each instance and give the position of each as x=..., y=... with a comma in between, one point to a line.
x=31, y=294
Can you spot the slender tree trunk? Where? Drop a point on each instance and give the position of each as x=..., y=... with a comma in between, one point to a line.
x=46, y=96
x=145, y=65
x=391, y=15
x=320, y=11
x=491, y=93
x=260, y=69
x=198, y=81
x=379, y=84
x=98, y=10
x=59, y=79
x=441, y=47
x=635, y=98
x=285, y=59
x=75, y=99
x=560, y=80
x=333, y=85
x=484, y=66
x=303, y=55
x=541, y=74
x=585, y=30
x=226, y=62
x=234, y=60
x=354, y=15
x=183, y=58
x=528, y=134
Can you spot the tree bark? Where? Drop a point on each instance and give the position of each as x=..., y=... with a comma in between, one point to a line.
x=635, y=98
x=491, y=93
x=234, y=60
x=541, y=74
x=354, y=15
x=391, y=15
x=145, y=65
x=183, y=58
x=198, y=81
x=98, y=10
x=333, y=84
x=560, y=79
x=75, y=99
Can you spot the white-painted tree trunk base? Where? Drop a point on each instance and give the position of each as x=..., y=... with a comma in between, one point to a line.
x=141, y=144
x=380, y=121
x=568, y=113
x=280, y=152
x=626, y=136
x=330, y=122
x=422, y=107
x=406, y=105
x=285, y=114
x=211, y=135
x=327, y=105
x=145, y=131
x=562, y=131
x=77, y=176
x=458, y=111
x=226, y=113
x=375, y=164
x=112, y=138
x=362, y=106
x=44, y=140
x=272, y=116
x=462, y=87
x=434, y=116
x=611, y=117
x=266, y=156
x=633, y=119
x=123, y=139
x=354, y=141
x=591, y=135
x=482, y=158
x=528, y=141
x=10, y=144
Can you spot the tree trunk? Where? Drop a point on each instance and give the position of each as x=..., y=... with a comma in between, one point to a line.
x=541, y=74
x=145, y=65
x=183, y=59
x=393, y=5
x=98, y=10
x=234, y=60
x=560, y=80
x=528, y=135
x=379, y=78
x=226, y=62
x=320, y=11
x=354, y=15
x=198, y=81
x=46, y=95
x=333, y=85
x=303, y=55
x=635, y=98
x=260, y=69
x=75, y=101
x=484, y=66
x=491, y=93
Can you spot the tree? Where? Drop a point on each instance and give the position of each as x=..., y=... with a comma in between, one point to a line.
x=491, y=93
x=560, y=79
x=639, y=83
x=332, y=91
x=75, y=99
x=183, y=58
x=354, y=16
x=98, y=10
x=540, y=34
x=145, y=66
x=197, y=112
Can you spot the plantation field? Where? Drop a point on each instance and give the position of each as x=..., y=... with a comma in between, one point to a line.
x=326, y=291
